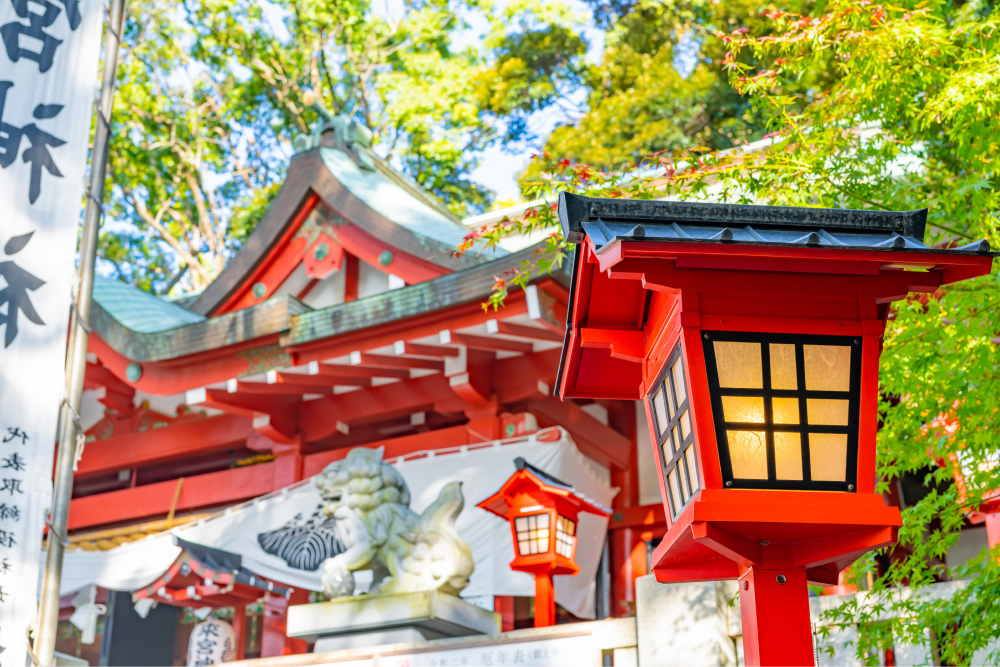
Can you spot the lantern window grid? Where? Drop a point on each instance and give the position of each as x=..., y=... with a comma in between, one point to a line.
x=807, y=430
x=565, y=537
x=674, y=435
x=532, y=534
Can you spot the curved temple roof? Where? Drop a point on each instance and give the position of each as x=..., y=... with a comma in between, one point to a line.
x=386, y=211
x=392, y=201
x=140, y=311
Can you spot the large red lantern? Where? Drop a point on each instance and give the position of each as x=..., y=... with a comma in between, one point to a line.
x=752, y=334
x=543, y=513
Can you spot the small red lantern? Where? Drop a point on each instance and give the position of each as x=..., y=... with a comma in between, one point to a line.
x=752, y=334
x=543, y=513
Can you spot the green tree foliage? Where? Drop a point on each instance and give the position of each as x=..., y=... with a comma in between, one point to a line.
x=211, y=94
x=905, y=114
x=640, y=104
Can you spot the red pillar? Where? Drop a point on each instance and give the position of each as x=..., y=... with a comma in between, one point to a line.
x=240, y=628
x=774, y=606
x=504, y=605
x=545, y=601
x=287, y=464
x=627, y=551
x=274, y=641
x=993, y=529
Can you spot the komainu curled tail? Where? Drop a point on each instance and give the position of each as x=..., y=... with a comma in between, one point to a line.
x=437, y=558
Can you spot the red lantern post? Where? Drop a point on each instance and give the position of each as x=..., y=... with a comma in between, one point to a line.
x=752, y=334
x=543, y=513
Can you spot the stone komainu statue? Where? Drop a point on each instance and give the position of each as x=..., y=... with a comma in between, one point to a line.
x=406, y=552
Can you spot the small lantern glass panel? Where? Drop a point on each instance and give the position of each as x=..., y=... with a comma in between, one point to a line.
x=674, y=437
x=785, y=409
x=532, y=534
x=565, y=537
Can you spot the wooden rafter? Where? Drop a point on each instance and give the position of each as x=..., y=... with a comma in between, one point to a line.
x=484, y=342
x=359, y=358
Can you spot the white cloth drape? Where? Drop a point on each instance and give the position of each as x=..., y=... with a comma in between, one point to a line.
x=481, y=470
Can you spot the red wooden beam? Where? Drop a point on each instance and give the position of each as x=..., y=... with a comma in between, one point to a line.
x=319, y=380
x=401, y=347
x=138, y=449
x=282, y=389
x=99, y=376
x=484, y=342
x=601, y=443
x=382, y=361
x=639, y=516
x=339, y=370
x=275, y=416
x=319, y=417
x=517, y=378
x=522, y=331
x=211, y=490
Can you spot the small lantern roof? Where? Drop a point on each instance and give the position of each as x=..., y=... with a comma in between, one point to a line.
x=530, y=475
x=607, y=221
x=205, y=576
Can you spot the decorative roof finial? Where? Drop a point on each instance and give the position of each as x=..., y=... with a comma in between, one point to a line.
x=348, y=135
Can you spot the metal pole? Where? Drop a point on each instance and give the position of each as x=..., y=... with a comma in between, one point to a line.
x=76, y=360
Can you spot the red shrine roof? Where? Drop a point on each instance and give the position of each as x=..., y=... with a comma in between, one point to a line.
x=208, y=577
x=344, y=320
x=529, y=477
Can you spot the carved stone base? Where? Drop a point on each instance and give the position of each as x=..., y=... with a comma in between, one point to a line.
x=373, y=620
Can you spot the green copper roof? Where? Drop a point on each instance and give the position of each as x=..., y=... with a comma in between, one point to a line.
x=392, y=201
x=140, y=311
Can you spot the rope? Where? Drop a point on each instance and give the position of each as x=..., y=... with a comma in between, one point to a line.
x=31, y=652
x=81, y=437
x=83, y=324
x=52, y=529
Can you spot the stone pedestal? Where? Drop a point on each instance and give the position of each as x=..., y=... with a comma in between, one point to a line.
x=373, y=620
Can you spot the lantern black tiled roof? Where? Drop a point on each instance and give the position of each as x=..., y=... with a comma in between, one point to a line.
x=607, y=220
x=217, y=560
x=548, y=479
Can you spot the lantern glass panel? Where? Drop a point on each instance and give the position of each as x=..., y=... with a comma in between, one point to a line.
x=565, y=537
x=660, y=405
x=828, y=367
x=743, y=409
x=826, y=412
x=748, y=453
x=788, y=455
x=675, y=442
x=739, y=365
x=785, y=409
x=828, y=456
x=532, y=534
x=783, y=374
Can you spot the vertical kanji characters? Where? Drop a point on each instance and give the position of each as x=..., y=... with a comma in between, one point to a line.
x=37, y=154
x=12, y=32
x=15, y=294
x=41, y=47
x=13, y=432
x=10, y=136
x=15, y=462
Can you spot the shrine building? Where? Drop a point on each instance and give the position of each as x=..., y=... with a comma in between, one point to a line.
x=345, y=320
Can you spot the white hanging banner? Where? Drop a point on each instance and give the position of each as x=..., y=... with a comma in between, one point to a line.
x=48, y=72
